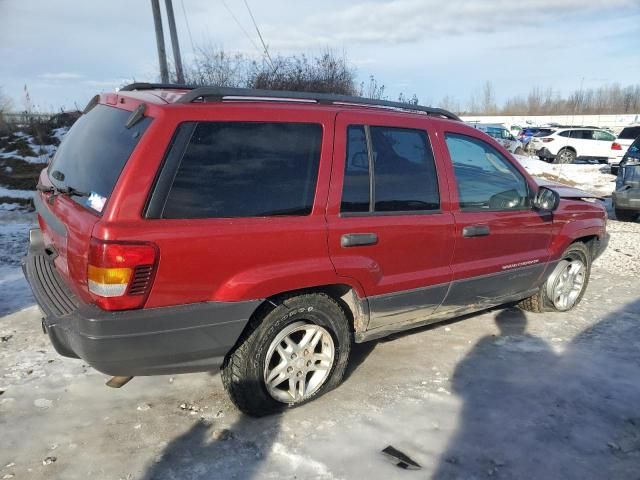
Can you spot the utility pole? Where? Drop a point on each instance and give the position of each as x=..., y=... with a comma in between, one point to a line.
x=174, y=41
x=162, y=54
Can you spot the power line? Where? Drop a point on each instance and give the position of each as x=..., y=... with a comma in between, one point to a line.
x=186, y=21
x=240, y=26
x=266, y=51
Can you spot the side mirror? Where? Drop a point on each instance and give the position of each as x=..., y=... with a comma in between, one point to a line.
x=546, y=200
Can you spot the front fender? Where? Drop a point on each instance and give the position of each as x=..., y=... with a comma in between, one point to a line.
x=576, y=219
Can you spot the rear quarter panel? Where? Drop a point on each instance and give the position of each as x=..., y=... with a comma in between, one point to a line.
x=223, y=259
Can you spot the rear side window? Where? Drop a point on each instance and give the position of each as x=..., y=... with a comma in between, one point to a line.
x=486, y=180
x=582, y=134
x=601, y=135
x=242, y=169
x=94, y=152
x=630, y=133
x=397, y=174
x=356, y=189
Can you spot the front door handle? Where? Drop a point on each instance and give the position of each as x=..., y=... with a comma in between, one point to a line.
x=358, y=239
x=476, y=231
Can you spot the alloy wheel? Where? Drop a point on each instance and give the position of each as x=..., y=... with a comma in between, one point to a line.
x=298, y=362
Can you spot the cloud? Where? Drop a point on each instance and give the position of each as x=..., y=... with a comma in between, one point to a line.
x=410, y=21
x=60, y=76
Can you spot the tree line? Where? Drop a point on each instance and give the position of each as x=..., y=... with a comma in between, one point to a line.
x=607, y=99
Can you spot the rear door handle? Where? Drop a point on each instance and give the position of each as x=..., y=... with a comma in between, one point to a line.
x=476, y=231
x=358, y=239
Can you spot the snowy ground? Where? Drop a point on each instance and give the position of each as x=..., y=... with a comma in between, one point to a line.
x=502, y=394
x=592, y=178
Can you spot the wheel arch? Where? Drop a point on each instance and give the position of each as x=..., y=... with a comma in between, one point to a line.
x=356, y=308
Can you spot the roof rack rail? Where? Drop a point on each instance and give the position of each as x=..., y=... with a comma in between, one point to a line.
x=151, y=86
x=222, y=93
x=229, y=93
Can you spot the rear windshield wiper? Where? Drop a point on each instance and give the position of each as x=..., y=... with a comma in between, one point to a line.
x=55, y=191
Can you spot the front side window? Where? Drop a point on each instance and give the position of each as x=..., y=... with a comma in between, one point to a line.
x=486, y=180
x=397, y=174
x=246, y=169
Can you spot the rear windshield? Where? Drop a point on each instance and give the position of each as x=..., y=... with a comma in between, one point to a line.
x=543, y=133
x=94, y=152
x=630, y=133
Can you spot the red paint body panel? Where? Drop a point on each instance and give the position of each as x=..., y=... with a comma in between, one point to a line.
x=515, y=237
x=252, y=258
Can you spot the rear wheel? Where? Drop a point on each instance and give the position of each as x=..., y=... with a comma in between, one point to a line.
x=626, y=215
x=289, y=355
x=566, y=155
x=566, y=284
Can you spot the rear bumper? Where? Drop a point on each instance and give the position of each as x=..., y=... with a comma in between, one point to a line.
x=186, y=338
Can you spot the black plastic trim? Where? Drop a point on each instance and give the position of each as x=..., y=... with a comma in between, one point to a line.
x=222, y=93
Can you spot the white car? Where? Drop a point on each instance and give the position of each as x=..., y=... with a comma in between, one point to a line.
x=565, y=145
x=503, y=136
x=621, y=145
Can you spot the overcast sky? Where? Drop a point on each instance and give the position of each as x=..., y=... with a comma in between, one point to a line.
x=67, y=50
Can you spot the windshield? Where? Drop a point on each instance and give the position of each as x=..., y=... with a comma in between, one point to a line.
x=93, y=154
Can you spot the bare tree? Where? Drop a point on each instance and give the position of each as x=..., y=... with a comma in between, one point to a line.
x=5, y=107
x=488, y=104
x=372, y=89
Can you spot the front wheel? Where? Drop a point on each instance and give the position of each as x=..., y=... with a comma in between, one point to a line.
x=566, y=284
x=289, y=355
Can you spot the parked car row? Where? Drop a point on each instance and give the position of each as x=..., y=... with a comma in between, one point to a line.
x=565, y=144
x=503, y=136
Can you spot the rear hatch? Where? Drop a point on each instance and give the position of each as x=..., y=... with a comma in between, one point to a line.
x=83, y=173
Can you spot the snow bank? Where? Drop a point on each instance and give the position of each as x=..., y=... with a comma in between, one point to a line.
x=11, y=193
x=592, y=178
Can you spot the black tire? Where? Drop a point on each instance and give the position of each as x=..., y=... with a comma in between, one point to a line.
x=243, y=369
x=565, y=155
x=540, y=302
x=614, y=169
x=625, y=215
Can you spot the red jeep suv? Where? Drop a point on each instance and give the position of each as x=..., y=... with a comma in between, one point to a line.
x=184, y=229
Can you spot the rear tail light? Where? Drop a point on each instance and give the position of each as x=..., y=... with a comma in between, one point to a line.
x=547, y=139
x=616, y=146
x=120, y=274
